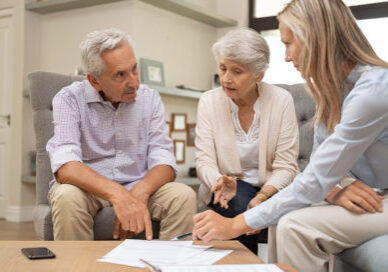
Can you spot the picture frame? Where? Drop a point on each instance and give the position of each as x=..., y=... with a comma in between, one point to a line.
x=151, y=72
x=190, y=134
x=179, y=151
x=178, y=122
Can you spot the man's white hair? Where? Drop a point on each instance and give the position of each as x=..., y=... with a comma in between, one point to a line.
x=246, y=46
x=97, y=42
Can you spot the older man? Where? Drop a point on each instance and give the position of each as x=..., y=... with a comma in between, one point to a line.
x=111, y=147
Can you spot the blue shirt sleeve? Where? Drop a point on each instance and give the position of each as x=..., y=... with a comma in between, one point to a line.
x=65, y=145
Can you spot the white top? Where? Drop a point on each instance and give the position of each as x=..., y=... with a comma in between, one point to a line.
x=247, y=144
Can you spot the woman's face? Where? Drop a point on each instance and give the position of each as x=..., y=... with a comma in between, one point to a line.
x=293, y=45
x=236, y=79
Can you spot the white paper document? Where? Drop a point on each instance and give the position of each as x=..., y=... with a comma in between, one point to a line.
x=161, y=253
x=223, y=268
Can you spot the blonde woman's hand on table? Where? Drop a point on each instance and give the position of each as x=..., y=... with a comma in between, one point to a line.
x=224, y=190
x=210, y=225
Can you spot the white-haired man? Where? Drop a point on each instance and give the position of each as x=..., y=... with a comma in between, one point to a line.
x=111, y=147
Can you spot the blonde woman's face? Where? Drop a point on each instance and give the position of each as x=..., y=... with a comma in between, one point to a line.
x=293, y=45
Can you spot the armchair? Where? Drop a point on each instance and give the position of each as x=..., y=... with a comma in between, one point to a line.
x=43, y=87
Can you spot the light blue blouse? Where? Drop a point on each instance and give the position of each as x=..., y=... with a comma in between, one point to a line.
x=358, y=147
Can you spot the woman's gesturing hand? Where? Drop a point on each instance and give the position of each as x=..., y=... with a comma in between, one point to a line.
x=224, y=190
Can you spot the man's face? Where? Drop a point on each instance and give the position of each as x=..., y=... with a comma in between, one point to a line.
x=120, y=79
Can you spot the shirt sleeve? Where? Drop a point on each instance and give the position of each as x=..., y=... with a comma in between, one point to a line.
x=364, y=117
x=65, y=145
x=284, y=165
x=205, y=152
x=160, y=147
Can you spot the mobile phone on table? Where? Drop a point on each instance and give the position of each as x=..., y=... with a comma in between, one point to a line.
x=34, y=253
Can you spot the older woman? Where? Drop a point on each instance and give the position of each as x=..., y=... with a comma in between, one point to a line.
x=247, y=134
x=349, y=83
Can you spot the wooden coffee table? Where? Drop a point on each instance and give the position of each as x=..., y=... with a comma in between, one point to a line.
x=81, y=256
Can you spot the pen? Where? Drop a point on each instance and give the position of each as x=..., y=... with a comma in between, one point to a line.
x=182, y=236
x=153, y=268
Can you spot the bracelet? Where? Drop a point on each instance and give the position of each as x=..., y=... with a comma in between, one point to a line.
x=267, y=195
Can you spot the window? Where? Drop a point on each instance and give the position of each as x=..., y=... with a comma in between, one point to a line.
x=373, y=28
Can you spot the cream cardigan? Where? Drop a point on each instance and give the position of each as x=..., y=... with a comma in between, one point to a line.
x=216, y=145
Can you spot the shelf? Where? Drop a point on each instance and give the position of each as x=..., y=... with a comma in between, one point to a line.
x=50, y=6
x=28, y=179
x=188, y=181
x=181, y=7
x=193, y=11
x=177, y=92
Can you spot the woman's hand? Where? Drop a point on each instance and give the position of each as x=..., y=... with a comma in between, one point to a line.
x=356, y=197
x=257, y=200
x=224, y=190
x=210, y=225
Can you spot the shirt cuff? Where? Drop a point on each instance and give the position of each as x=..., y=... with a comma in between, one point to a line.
x=254, y=220
x=162, y=157
x=60, y=157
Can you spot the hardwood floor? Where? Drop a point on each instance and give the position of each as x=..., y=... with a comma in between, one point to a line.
x=23, y=231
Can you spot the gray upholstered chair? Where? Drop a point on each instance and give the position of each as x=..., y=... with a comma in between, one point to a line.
x=304, y=109
x=372, y=256
x=43, y=87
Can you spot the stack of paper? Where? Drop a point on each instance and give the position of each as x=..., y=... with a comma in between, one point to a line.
x=163, y=253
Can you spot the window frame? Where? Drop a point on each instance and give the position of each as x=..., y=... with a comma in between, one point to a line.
x=368, y=11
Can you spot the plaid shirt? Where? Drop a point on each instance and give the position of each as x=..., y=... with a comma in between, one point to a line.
x=120, y=144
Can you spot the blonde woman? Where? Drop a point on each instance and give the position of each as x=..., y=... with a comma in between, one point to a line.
x=247, y=134
x=350, y=86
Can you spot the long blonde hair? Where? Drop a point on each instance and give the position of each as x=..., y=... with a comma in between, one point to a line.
x=331, y=40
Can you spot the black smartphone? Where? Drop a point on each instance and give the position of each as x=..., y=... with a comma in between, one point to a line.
x=34, y=253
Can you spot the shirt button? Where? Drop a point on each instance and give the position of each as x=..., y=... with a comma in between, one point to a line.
x=116, y=113
x=116, y=170
x=119, y=134
x=119, y=151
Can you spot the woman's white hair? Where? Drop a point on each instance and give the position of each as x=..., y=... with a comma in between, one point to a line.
x=246, y=46
x=97, y=42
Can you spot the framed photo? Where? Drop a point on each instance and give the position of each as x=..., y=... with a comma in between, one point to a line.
x=179, y=151
x=190, y=134
x=151, y=72
x=178, y=122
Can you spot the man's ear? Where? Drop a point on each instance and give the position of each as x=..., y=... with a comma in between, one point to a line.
x=260, y=78
x=94, y=82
